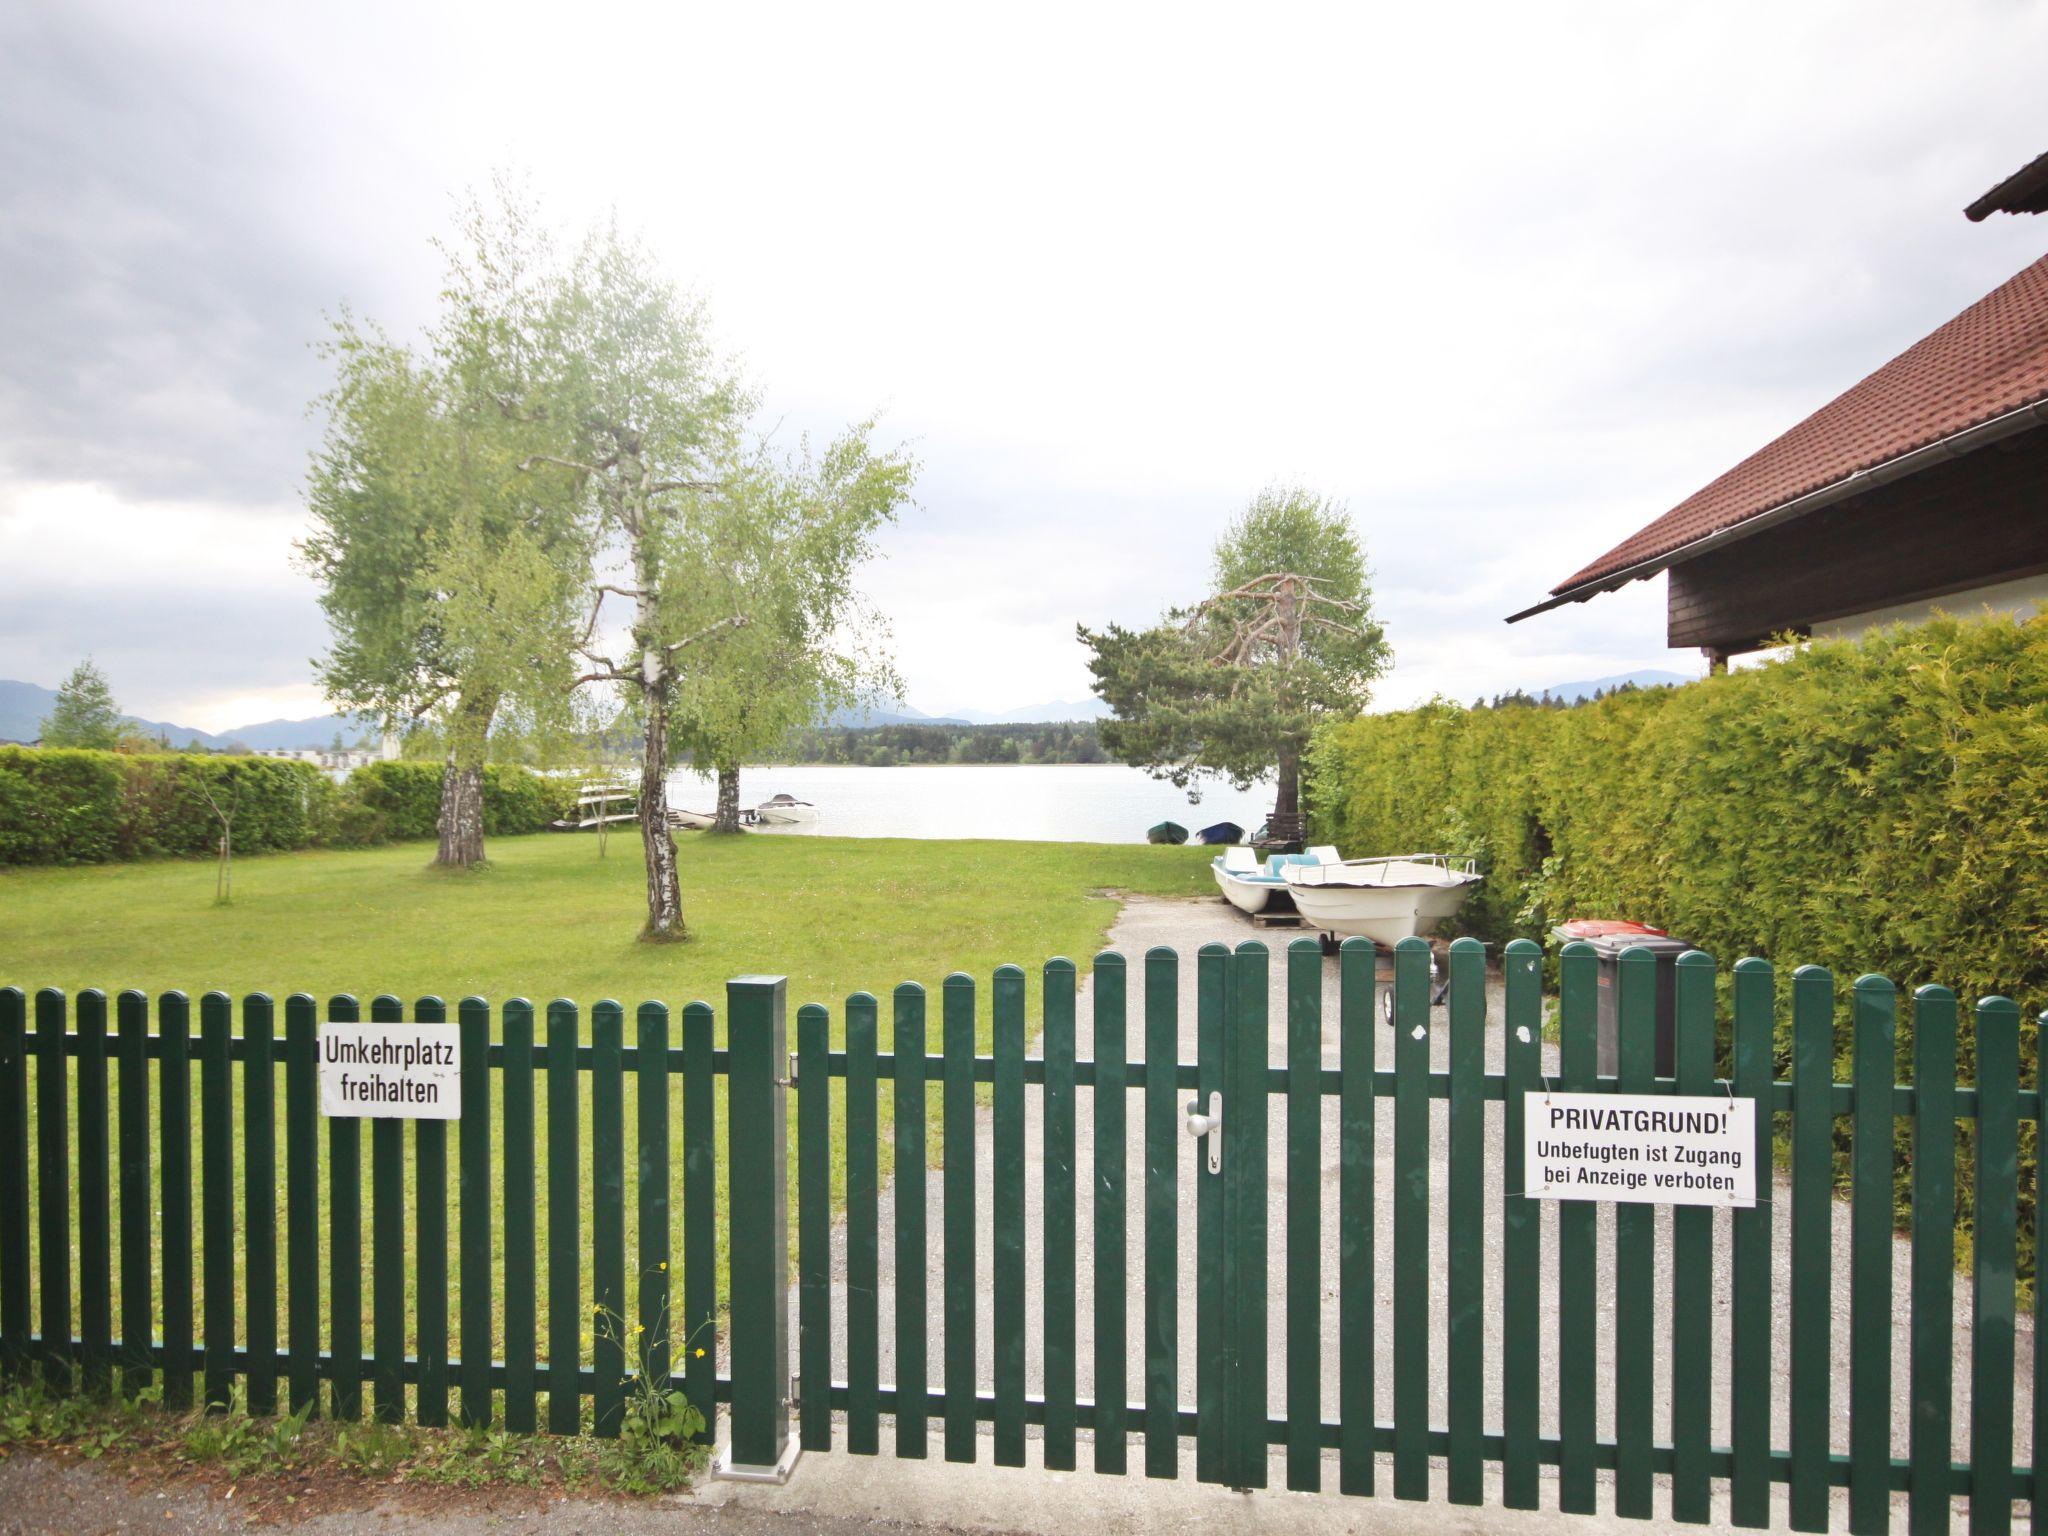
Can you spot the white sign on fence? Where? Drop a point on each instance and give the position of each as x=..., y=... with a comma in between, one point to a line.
x=1648, y=1149
x=391, y=1071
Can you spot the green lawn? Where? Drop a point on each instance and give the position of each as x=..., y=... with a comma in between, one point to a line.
x=549, y=919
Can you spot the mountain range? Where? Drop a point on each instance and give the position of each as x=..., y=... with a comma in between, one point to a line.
x=1571, y=693
x=23, y=707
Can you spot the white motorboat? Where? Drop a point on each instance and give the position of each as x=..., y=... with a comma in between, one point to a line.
x=785, y=811
x=1386, y=899
x=1248, y=885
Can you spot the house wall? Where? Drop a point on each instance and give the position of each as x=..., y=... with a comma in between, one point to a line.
x=1978, y=522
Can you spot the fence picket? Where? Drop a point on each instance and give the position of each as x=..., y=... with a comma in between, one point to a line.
x=1465, y=1251
x=1162, y=1214
x=1931, y=1374
x=1357, y=963
x=388, y=1268
x=863, y=1237
x=566, y=1313
x=1750, y=1321
x=912, y=1326
x=1247, y=1056
x=217, y=1190
x=430, y=1238
x=957, y=1018
x=1214, y=1450
x=1411, y=1219
x=1521, y=1243
x=138, y=1209
x=473, y=1188
x=344, y=1245
x=1692, y=1259
x=1304, y=1240
x=174, y=1091
x=1635, y=1235
x=95, y=1199
x=651, y=1183
x=1994, y=1266
x=53, y=1187
x=1112, y=1320
x=1057, y=1047
x=1813, y=1056
x=611, y=1326
x=522, y=1330
x=1006, y=1166
x=814, y=1224
x=1578, y=1003
x=302, y=1200
x=15, y=1299
x=700, y=1222
x=259, y=1197
x=1873, y=1005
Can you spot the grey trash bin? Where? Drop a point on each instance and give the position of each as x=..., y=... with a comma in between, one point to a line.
x=1609, y=939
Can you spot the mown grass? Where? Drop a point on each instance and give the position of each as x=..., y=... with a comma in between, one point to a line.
x=548, y=918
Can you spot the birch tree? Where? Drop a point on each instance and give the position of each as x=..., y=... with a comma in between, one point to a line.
x=656, y=415
x=787, y=536
x=449, y=572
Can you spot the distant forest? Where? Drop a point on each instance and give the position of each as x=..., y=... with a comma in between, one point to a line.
x=889, y=746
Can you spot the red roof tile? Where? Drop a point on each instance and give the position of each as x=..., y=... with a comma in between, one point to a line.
x=1991, y=359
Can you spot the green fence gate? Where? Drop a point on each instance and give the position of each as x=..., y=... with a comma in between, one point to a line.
x=1246, y=1062
x=121, y=1256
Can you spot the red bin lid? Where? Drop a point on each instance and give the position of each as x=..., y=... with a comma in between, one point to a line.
x=1608, y=927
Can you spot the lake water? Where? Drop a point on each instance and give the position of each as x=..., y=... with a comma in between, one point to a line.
x=1058, y=802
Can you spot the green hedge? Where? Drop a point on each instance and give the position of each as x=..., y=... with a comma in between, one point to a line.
x=67, y=807
x=1879, y=805
x=407, y=798
x=71, y=807
x=1873, y=806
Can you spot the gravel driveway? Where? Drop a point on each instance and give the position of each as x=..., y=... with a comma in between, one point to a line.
x=1185, y=926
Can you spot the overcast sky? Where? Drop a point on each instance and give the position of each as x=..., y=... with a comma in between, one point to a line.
x=1510, y=283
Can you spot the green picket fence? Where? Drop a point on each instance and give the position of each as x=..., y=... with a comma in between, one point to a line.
x=314, y=1353
x=135, y=1302
x=1230, y=1422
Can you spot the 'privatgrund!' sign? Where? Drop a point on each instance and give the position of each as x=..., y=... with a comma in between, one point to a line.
x=1636, y=1147
x=391, y=1071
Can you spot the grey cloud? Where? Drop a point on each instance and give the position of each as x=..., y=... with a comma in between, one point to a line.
x=159, y=294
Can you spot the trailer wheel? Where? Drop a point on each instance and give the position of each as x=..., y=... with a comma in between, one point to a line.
x=1387, y=1006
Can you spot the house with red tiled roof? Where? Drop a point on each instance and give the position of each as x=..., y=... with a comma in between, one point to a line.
x=1923, y=487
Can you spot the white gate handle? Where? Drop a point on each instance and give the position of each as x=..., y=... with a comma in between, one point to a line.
x=1208, y=1127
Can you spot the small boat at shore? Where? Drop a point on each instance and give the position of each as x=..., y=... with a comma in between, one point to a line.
x=691, y=821
x=785, y=811
x=1166, y=832
x=1221, y=833
x=1249, y=885
x=1386, y=899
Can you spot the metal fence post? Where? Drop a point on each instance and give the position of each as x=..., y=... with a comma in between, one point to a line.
x=760, y=1447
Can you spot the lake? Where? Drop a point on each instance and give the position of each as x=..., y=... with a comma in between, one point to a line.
x=1052, y=802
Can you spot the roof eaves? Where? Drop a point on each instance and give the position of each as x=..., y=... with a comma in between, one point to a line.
x=1955, y=445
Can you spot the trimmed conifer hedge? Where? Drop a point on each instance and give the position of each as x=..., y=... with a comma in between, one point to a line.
x=1879, y=805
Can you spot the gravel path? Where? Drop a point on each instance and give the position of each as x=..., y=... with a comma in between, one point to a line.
x=1185, y=926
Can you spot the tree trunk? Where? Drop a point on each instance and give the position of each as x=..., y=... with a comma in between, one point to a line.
x=728, y=818
x=461, y=822
x=664, y=889
x=1285, y=824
